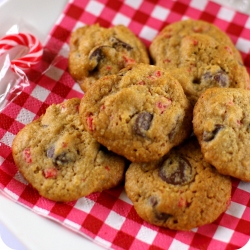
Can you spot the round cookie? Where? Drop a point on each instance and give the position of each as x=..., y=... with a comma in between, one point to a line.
x=221, y=124
x=166, y=44
x=180, y=191
x=199, y=62
x=96, y=52
x=140, y=113
x=61, y=160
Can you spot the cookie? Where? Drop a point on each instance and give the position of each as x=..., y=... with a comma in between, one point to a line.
x=180, y=191
x=222, y=125
x=166, y=44
x=140, y=113
x=61, y=160
x=198, y=60
x=97, y=51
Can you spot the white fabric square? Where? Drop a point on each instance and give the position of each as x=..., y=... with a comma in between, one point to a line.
x=146, y=235
x=54, y=73
x=40, y=93
x=72, y=224
x=243, y=45
x=77, y=88
x=84, y=204
x=135, y=4
x=160, y=13
x=7, y=139
x=25, y=116
x=244, y=186
x=1, y=159
x=223, y=234
x=123, y=196
x=198, y=4
x=178, y=245
x=40, y=210
x=148, y=33
x=94, y=8
x=102, y=242
x=78, y=25
x=115, y=220
x=64, y=51
x=19, y=177
x=247, y=24
x=226, y=14
x=121, y=19
x=11, y=194
x=236, y=209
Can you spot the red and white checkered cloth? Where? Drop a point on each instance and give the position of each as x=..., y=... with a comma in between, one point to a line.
x=108, y=218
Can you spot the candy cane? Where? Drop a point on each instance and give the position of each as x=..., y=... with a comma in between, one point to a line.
x=32, y=57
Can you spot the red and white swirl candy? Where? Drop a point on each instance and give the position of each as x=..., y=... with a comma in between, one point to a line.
x=33, y=55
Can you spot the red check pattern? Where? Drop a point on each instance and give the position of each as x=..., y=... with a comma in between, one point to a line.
x=108, y=218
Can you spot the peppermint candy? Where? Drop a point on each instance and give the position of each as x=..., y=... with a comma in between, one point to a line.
x=33, y=56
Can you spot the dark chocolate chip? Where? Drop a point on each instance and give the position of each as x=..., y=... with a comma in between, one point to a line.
x=162, y=216
x=219, y=78
x=97, y=56
x=209, y=136
x=196, y=81
x=50, y=152
x=153, y=201
x=61, y=159
x=116, y=42
x=142, y=123
x=176, y=170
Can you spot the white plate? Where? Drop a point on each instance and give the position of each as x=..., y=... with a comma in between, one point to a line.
x=33, y=231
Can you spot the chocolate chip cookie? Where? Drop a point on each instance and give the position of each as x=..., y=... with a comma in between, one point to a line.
x=61, y=160
x=97, y=51
x=199, y=60
x=222, y=125
x=140, y=113
x=180, y=191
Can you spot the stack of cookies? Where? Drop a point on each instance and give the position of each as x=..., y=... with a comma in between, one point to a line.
x=182, y=123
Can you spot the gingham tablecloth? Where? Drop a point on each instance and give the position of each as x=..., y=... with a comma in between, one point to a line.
x=108, y=218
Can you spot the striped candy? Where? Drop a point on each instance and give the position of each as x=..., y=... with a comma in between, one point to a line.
x=32, y=57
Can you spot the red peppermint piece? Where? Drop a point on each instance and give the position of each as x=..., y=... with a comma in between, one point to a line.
x=229, y=50
x=182, y=202
x=163, y=103
x=107, y=168
x=128, y=60
x=90, y=122
x=27, y=155
x=50, y=172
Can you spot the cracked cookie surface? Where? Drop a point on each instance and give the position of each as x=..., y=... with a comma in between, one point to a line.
x=97, y=51
x=200, y=57
x=60, y=159
x=180, y=191
x=222, y=125
x=140, y=113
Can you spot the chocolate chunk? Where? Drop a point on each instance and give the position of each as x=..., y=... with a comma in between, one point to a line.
x=209, y=136
x=153, y=201
x=119, y=43
x=50, y=152
x=61, y=159
x=142, y=123
x=162, y=216
x=176, y=170
x=220, y=78
x=97, y=55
